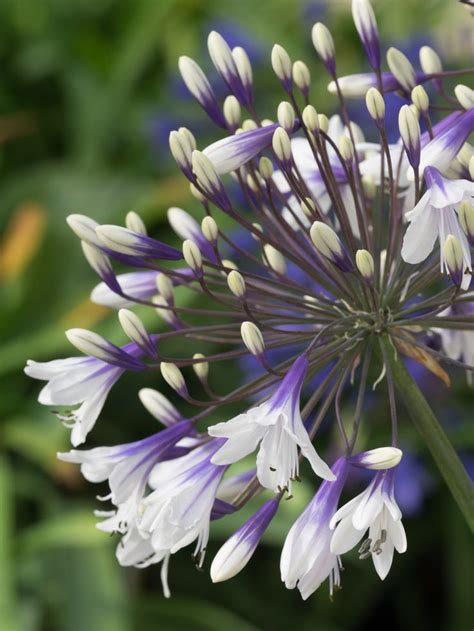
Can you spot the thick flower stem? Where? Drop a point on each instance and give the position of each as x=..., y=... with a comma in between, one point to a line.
x=438, y=443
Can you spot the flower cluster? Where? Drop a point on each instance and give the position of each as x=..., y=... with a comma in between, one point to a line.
x=358, y=251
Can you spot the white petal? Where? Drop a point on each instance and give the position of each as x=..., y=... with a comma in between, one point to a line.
x=396, y=532
x=383, y=561
x=345, y=536
x=420, y=237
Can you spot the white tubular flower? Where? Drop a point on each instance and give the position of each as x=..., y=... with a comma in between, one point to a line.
x=178, y=511
x=435, y=217
x=306, y=559
x=237, y=551
x=277, y=427
x=375, y=510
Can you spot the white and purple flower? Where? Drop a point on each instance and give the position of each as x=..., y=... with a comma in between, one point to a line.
x=435, y=217
x=375, y=510
x=307, y=559
x=276, y=426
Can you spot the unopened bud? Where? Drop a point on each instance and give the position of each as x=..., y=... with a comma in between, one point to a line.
x=329, y=245
x=228, y=265
x=466, y=218
x=173, y=377
x=375, y=104
x=324, y=45
x=134, y=328
x=323, y=123
x=165, y=287
x=281, y=145
x=232, y=111
x=249, y=124
x=159, y=406
x=252, y=338
x=275, y=259
x=301, y=76
x=453, y=257
x=236, y=283
x=95, y=345
x=420, y=98
x=200, y=368
x=192, y=256
x=365, y=264
x=378, y=459
x=243, y=65
x=308, y=207
x=162, y=309
x=346, y=148
x=401, y=68
x=465, y=96
x=209, y=229
x=410, y=134
x=281, y=64
x=196, y=193
x=265, y=166
x=134, y=222
x=429, y=61
x=286, y=116
x=310, y=118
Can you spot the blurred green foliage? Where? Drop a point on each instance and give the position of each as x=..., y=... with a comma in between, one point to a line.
x=84, y=87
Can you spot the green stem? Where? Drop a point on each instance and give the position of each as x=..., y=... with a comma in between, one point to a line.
x=438, y=443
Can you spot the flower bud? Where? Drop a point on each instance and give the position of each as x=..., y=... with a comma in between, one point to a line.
x=282, y=146
x=162, y=309
x=196, y=193
x=324, y=45
x=134, y=328
x=466, y=218
x=199, y=86
x=323, y=123
x=286, y=116
x=429, y=61
x=236, y=283
x=125, y=241
x=265, y=166
x=134, y=222
x=366, y=25
x=329, y=245
x=308, y=207
x=310, y=118
x=159, y=406
x=201, y=369
x=95, y=345
x=173, y=377
x=275, y=259
x=252, y=338
x=84, y=228
x=101, y=265
x=346, y=148
x=410, y=134
x=420, y=98
x=281, y=64
x=465, y=96
x=209, y=229
x=365, y=264
x=237, y=551
x=453, y=257
x=164, y=286
x=375, y=104
x=192, y=256
x=244, y=67
x=231, y=111
x=249, y=125
x=301, y=76
x=377, y=459
x=401, y=68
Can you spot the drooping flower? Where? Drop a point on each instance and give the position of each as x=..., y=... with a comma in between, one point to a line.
x=276, y=426
x=307, y=559
x=178, y=511
x=375, y=510
x=86, y=381
x=434, y=218
x=237, y=551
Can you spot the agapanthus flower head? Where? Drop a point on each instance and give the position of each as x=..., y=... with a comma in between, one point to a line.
x=314, y=257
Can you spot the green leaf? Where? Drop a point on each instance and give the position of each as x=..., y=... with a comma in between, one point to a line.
x=8, y=607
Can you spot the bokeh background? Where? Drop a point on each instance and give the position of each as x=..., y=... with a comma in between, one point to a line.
x=89, y=91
